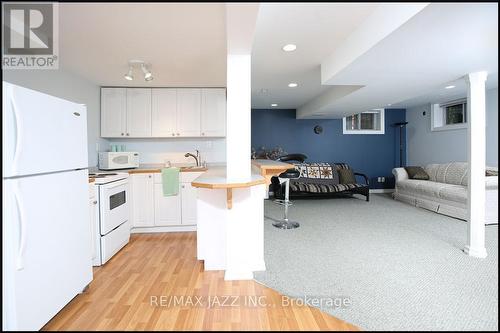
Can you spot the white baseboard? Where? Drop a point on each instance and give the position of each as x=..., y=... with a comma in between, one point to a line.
x=174, y=228
x=381, y=190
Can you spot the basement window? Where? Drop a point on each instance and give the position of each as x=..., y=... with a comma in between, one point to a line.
x=368, y=122
x=449, y=116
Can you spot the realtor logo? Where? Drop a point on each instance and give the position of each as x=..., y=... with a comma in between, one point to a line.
x=30, y=35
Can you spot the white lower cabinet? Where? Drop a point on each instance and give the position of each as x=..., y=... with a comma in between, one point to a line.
x=93, y=219
x=188, y=194
x=167, y=209
x=141, y=188
x=151, y=209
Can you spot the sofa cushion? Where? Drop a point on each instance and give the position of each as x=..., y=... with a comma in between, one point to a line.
x=346, y=176
x=450, y=173
x=430, y=189
x=416, y=172
x=455, y=193
x=408, y=185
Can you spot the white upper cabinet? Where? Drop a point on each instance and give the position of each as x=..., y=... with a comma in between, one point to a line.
x=213, y=112
x=113, y=112
x=138, y=112
x=164, y=112
x=188, y=112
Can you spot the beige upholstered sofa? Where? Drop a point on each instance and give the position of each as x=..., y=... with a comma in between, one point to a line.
x=446, y=190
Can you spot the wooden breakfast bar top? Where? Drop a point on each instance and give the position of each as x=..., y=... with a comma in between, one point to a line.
x=262, y=171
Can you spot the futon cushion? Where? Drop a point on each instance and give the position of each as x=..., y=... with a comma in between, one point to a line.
x=298, y=186
x=416, y=172
x=346, y=176
x=318, y=173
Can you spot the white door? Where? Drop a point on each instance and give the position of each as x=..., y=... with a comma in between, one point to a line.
x=164, y=112
x=188, y=195
x=167, y=209
x=113, y=112
x=41, y=133
x=47, y=250
x=138, y=112
x=142, y=200
x=213, y=112
x=188, y=112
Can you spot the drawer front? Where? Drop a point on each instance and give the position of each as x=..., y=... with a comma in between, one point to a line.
x=114, y=241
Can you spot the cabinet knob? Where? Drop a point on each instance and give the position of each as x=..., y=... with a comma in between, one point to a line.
x=202, y=133
x=128, y=134
x=182, y=186
x=95, y=202
x=149, y=176
x=173, y=134
x=123, y=134
x=178, y=134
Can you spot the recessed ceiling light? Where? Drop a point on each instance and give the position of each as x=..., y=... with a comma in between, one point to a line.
x=274, y=105
x=289, y=47
x=449, y=87
x=292, y=85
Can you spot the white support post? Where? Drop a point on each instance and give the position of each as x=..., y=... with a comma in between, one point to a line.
x=238, y=126
x=476, y=153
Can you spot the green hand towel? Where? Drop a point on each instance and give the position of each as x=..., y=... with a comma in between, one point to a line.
x=170, y=181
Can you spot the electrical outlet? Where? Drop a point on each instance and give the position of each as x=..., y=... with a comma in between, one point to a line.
x=380, y=179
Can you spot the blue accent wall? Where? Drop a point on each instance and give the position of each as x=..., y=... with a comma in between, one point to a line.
x=373, y=155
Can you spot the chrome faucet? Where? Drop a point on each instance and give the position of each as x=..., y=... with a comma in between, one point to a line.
x=196, y=157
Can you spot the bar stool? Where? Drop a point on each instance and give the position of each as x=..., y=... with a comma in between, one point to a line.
x=287, y=176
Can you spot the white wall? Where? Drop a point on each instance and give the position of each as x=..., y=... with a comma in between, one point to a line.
x=425, y=146
x=157, y=150
x=68, y=86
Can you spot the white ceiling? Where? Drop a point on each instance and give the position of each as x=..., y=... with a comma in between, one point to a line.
x=317, y=29
x=185, y=43
x=439, y=44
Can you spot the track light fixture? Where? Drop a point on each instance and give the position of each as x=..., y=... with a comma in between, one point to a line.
x=148, y=76
x=129, y=76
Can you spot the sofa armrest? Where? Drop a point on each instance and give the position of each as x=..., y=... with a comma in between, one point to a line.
x=364, y=176
x=400, y=174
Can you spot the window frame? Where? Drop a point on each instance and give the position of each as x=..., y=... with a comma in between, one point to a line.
x=438, y=116
x=365, y=131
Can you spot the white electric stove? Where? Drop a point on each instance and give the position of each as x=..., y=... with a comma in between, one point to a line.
x=113, y=224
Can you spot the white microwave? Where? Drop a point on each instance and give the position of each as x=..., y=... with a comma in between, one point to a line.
x=118, y=160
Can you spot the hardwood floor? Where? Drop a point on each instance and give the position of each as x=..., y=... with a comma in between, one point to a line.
x=122, y=295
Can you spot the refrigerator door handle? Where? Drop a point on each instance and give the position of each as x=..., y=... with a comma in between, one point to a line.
x=17, y=135
x=22, y=229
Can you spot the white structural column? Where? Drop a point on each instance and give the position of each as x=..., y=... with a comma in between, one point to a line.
x=238, y=119
x=476, y=152
x=241, y=19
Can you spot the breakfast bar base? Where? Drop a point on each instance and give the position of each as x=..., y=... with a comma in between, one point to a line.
x=231, y=239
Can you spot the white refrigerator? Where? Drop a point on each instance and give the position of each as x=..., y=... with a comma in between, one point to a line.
x=46, y=229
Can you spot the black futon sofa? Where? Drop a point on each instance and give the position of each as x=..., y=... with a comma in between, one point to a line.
x=321, y=180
